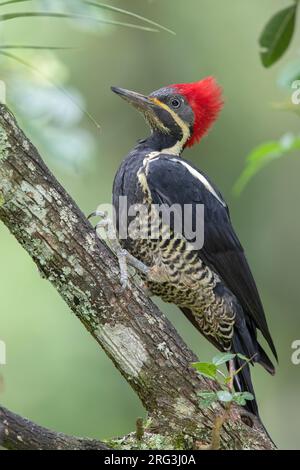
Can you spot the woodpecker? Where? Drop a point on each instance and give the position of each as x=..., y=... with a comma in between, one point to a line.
x=212, y=284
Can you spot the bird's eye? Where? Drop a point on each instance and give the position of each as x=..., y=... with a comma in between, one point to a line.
x=175, y=102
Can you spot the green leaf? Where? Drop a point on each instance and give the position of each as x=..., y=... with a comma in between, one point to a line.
x=114, y=9
x=33, y=14
x=247, y=396
x=264, y=154
x=206, y=403
x=241, y=397
x=207, y=399
x=224, y=396
x=206, y=368
x=239, y=400
x=222, y=358
x=103, y=6
x=277, y=35
x=206, y=395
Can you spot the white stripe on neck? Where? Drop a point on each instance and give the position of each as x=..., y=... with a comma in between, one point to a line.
x=176, y=149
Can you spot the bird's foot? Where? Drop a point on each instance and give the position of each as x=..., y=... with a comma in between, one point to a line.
x=124, y=257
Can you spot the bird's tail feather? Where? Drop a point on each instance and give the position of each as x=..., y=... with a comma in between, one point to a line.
x=264, y=360
x=246, y=344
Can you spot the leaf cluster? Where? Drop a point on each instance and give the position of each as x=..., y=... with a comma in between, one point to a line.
x=225, y=394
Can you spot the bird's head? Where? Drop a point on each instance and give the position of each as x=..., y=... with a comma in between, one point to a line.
x=179, y=115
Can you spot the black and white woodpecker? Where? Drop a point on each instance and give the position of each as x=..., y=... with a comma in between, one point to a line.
x=212, y=284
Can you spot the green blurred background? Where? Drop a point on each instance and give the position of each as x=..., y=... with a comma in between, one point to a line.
x=55, y=373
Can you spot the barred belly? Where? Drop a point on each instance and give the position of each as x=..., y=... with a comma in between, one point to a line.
x=186, y=280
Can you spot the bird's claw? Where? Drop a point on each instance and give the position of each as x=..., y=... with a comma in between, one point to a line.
x=122, y=259
x=97, y=213
x=121, y=254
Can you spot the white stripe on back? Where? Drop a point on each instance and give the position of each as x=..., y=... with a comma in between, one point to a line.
x=153, y=156
x=201, y=178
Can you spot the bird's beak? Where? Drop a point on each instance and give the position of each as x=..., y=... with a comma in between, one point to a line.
x=141, y=102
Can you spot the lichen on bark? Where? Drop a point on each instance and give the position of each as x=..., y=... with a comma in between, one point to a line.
x=5, y=145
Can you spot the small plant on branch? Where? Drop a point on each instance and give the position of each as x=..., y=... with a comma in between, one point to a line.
x=226, y=395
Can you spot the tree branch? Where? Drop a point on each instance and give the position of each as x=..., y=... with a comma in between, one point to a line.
x=141, y=342
x=21, y=434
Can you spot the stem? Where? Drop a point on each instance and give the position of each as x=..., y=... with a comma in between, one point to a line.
x=218, y=424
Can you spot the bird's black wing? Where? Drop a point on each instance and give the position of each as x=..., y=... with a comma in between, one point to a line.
x=176, y=181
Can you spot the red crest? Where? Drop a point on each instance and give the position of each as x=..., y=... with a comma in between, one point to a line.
x=205, y=98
